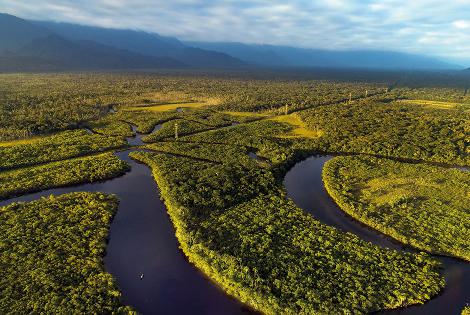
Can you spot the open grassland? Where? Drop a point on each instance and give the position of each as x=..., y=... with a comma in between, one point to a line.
x=62, y=173
x=300, y=130
x=424, y=206
x=246, y=114
x=52, y=253
x=437, y=104
x=167, y=107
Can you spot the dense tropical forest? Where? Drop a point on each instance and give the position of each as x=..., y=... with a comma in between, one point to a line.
x=219, y=146
x=51, y=256
x=413, y=203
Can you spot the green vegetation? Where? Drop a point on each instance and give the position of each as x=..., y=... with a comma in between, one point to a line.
x=63, y=173
x=110, y=126
x=57, y=147
x=219, y=119
x=393, y=129
x=300, y=130
x=20, y=141
x=168, y=129
x=235, y=224
x=189, y=122
x=260, y=135
x=169, y=106
x=437, y=93
x=420, y=205
x=52, y=253
x=37, y=104
x=217, y=153
x=43, y=103
x=230, y=211
x=145, y=121
x=437, y=104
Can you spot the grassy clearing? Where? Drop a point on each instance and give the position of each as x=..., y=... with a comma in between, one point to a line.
x=437, y=104
x=167, y=107
x=420, y=205
x=300, y=128
x=246, y=114
x=51, y=259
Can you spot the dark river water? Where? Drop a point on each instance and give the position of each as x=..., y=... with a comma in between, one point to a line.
x=155, y=277
x=142, y=241
x=305, y=187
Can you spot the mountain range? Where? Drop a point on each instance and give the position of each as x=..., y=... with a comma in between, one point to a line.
x=36, y=46
x=149, y=44
x=49, y=46
x=270, y=55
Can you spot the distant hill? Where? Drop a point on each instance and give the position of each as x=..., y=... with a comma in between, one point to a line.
x=29, y=47
x=42, y=46
x=91, y=55
x=47, y=46
x=150, y=44
x=270, y=55
x=16, y=32
x=255, y=54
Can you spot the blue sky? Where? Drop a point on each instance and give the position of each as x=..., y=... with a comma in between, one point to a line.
x=433, y=27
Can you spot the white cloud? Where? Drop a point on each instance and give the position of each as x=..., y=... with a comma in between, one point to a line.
x=461, y=24
x=421, y=26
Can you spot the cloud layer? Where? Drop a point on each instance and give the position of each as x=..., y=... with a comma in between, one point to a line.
x=432, y=27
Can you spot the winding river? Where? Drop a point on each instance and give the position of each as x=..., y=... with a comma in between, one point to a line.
x=143, y=255
x=155, y=277
x=305, y=187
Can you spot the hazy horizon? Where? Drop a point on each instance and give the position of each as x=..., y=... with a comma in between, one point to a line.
x=428, y=28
